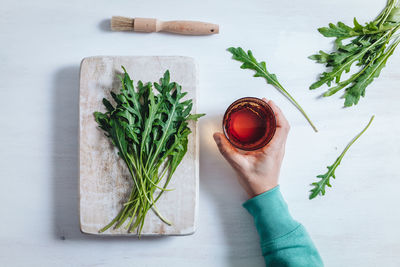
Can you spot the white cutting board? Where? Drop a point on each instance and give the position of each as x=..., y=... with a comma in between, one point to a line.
x=104, y=179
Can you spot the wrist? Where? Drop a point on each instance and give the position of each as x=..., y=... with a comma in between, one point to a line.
x=261, y=189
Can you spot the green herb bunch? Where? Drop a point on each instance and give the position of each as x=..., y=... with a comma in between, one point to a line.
x=368, y=47
x=150, y=131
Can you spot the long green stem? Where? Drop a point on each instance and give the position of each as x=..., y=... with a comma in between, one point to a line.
x=356, y=137
x=132, y=216
x=385, y=12
x=105, y=228
x=298, y=107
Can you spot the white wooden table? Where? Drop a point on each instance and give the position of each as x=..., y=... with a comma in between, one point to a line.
x=41, y=45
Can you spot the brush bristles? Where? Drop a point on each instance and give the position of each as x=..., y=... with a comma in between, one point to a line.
x=121, y=24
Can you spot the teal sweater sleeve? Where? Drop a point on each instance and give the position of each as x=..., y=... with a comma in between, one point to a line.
x=284, y=242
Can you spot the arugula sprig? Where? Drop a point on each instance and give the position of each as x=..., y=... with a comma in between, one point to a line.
x=319, y=187
x=250, y=62
x=150, y=130
x=369, y=47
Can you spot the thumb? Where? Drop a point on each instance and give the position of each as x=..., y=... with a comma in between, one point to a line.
x=230, y=153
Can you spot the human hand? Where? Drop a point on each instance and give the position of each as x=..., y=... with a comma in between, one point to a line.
x=258, y=170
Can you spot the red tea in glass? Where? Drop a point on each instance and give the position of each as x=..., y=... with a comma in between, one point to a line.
x=249, y=123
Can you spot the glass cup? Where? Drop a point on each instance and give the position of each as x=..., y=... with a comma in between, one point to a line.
x=249, y=123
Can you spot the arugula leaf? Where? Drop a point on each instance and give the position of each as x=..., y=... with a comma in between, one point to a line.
x=319, y=187
x=250, y=62
x=340, y=30
x=369, y=47
x=150, y=131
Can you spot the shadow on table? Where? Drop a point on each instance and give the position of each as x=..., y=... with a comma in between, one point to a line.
x=65, y=161
x=218, y=182
x=105, y=25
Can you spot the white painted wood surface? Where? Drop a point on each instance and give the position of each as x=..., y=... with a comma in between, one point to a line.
x=42, y=44
x=104, y=180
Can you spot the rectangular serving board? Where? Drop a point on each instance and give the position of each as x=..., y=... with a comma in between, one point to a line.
x=104, y=179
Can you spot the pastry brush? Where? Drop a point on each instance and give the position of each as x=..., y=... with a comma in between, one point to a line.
x=154, y=25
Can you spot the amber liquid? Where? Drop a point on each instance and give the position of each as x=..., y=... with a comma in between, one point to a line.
x=249, y=124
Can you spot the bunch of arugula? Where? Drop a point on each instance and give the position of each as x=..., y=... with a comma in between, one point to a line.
x=319, y=187
x=151, y=133
x=368, y=46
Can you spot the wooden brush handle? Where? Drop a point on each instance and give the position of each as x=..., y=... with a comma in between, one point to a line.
x=178, y=26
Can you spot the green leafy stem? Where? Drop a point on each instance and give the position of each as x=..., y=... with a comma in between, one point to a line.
x=250, y=62
x=319, y=187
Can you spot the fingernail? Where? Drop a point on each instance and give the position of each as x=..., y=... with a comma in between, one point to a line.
x=217, y=138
